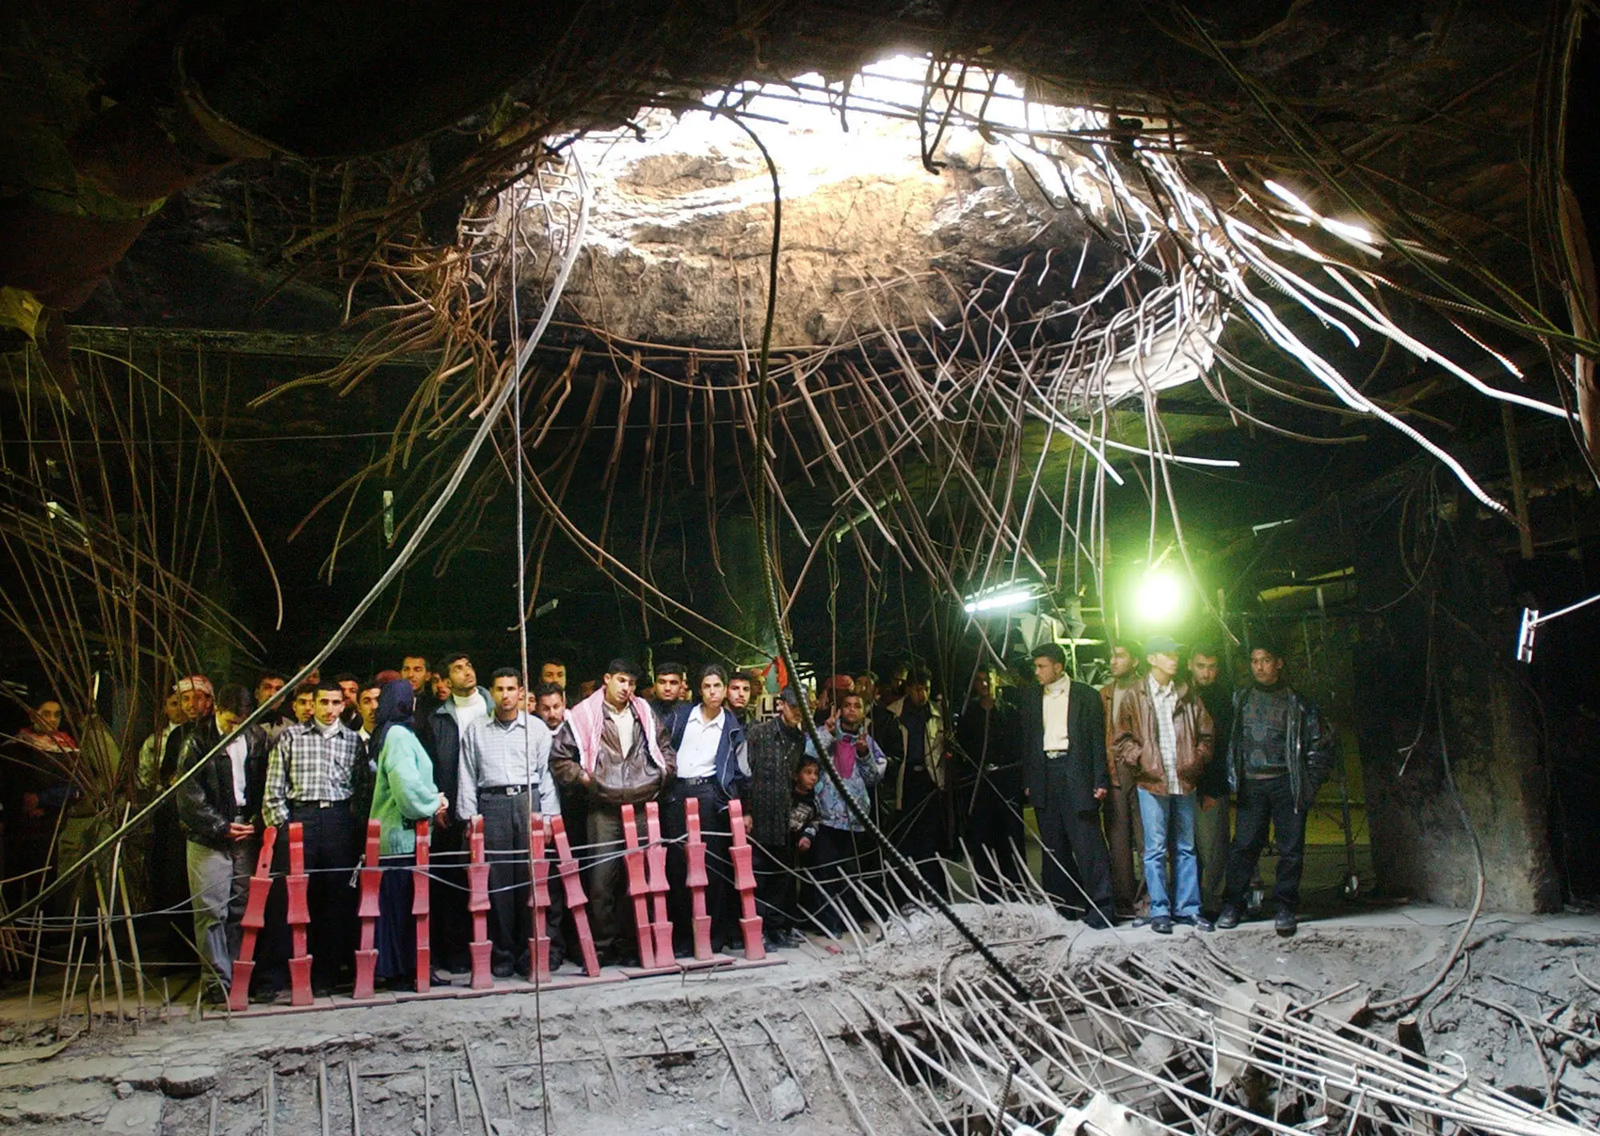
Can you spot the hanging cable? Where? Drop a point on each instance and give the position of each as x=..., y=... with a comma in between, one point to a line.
x=491, y=414
x=775, y=608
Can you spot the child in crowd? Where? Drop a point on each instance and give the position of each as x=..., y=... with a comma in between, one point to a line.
x=803, y=820
x=803, y=808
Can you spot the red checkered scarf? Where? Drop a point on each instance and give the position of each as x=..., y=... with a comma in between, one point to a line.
x=588, y=719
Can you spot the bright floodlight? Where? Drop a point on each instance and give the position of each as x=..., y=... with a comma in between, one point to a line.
x=999, y=600
x=1159, y=598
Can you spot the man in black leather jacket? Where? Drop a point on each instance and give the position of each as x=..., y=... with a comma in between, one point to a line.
x=1280, y=751
x=220, y=811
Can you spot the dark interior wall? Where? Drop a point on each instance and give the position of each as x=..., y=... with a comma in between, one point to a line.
x=1443, y=657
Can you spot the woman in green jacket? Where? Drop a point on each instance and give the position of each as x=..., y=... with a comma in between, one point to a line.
x=404, y=794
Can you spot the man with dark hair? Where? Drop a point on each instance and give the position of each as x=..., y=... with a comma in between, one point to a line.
x=312, y=774
x=550, y=703
x=167, y=858
x=1212, y=824
x=991, y=781
x=553, y=670
x=351, y=686
x=367, y=704
x=740, y=684
x=713, y=769
x=1163, y=733
x=1124, y=829
x=152, y=752
x=220, y=809
x=505, y=777
x=775, y=746
x=671, y=688
x=917, y=786
x=466, y=705
x=1280, y=752
x=268, y=684
x=305, y=702
x=614, y=750
x=414, y=669
x=1065, y=777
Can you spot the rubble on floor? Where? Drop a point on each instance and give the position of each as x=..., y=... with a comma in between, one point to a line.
x=907, y=1030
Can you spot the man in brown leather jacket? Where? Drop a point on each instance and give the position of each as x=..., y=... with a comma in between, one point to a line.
x=613, y=749
x=1164, y=732
x=1124, y=830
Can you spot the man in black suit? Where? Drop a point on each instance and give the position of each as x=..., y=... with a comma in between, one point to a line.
x=1065, y=778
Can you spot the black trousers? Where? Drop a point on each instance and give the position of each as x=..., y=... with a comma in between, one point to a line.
x=775, y=889
x=1263, y=803
x=834, y=856
x=331, y=837
x=995, y=826
x=919, y=830
x=719, y=864
x=449, y=923
x=505, y=842
x=1077, y=867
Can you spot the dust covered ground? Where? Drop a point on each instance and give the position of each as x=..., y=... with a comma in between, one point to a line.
x=780, y=1050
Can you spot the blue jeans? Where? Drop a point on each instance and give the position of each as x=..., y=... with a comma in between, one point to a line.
x=1171, y=817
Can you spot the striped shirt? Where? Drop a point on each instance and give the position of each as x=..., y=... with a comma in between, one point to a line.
x=309, y=763
x=496, y=753
x=1165, y=702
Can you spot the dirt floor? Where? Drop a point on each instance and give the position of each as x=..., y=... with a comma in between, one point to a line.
x=742, y=1051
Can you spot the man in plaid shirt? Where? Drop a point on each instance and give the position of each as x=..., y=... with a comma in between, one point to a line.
x=312, y=776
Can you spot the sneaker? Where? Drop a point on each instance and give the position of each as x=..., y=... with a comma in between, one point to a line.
x=1228, y=920
x=1285, y=924
x=1161, y=924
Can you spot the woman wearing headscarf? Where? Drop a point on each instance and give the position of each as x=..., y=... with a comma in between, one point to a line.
x=403, y=795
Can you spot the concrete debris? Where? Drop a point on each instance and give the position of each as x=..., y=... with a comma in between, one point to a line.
x=787, y=1100
x=136, y=1116
x=188, y=1080
x=910, y=1034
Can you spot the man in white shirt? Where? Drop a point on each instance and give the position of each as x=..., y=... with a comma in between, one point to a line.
x=505, y=778
x=1065, y=778
x=713, y=767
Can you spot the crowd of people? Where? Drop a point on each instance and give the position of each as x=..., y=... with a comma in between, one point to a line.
x=1133, y=788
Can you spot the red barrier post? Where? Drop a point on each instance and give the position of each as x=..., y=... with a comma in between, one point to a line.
x=657, y=859
x=419, y=908
x=577, y=903
x=639, y=889
x=299, y=919
x=744, y=878
x=695, y=850
x=539, y=895
x=254, y=919
x=478, y=904
x=371, y=875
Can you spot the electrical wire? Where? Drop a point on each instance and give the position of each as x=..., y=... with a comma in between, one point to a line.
x=775, y=608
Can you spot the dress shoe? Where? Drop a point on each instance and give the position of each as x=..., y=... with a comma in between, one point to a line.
x=1161, y=924
x=502, y=968
x=1229, y=919
x=1285, y=924
x=1096, y=921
